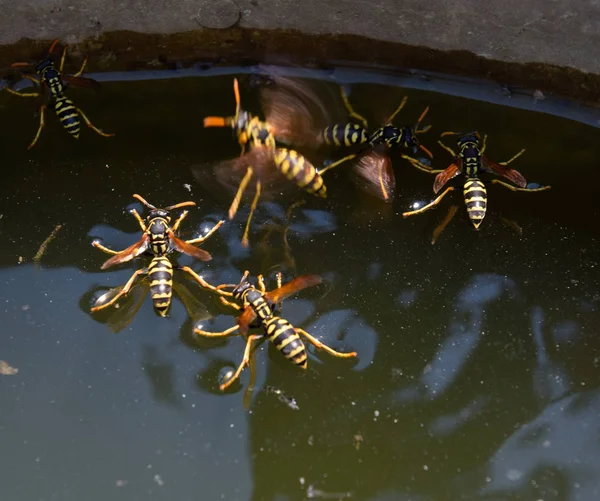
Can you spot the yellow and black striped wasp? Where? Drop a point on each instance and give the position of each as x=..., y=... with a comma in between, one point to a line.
x=158, y=240
x=259, y=308
x=374, y=164
x=471, y=162
x=257, y=139
x=55, y=82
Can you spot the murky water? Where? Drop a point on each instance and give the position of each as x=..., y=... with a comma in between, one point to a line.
x=477, y=375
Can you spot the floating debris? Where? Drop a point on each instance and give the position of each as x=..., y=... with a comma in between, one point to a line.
x=289, y=401
x=188, y=187
x=42, y=249
x=358, y=440
x=158, y=479
x=311, y=492
x=6, y=369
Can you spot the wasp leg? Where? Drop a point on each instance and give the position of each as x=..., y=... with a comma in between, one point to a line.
x=279, y=279
x=203, y=283
x=440, y=227
x=238, y=196
x=224, y=333
x=199, y=240
x=229, y=303
x=98, y=245
x=179, y=220
x=430, y=205
x=244, y=362
x=80, y=72
x=448, y=149
x=513, y=158
x=393, y=115
x=62, y=59
x=321, y=346
x=418, y=165
x=336, y=163
x=249, y=391
x=261, y=284
x=252, y=209
x=483, y=144
x=351, y=111
x=33, y=79
x=135, y=214
x=515, y=188
x=123, y=291
x=22, y=94
x=39, y=131
x=92, y=126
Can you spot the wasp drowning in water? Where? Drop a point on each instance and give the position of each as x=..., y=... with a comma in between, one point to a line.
x=471, y=162
x=374, y=164
x=55, y=82
x=257, y=139
x=260, y=305
x=158, y=240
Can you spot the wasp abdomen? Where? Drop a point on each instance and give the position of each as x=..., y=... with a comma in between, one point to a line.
x=476, y=201
x=284, y=337
x=68, y=116
x=160, y=274
x=298, y=169
x=347, y=134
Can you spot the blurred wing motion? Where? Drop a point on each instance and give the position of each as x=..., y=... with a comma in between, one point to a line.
x=89, y=83
x=514, y=176
x=230, y=172
x=245, y=319
x=290, y=107
x=286, y=290
x=128, y=254
x=188, y=249
x=196, y=309
x=128, y=306
x=443, y=177
x=375, y=175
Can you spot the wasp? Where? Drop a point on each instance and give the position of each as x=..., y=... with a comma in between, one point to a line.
x=257, y=139
x=374, y=164
x=261, y=306
x=55, y=81
x=158, y=240
x=471, y=162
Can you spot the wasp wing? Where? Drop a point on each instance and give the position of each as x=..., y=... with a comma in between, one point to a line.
x=286, y=290
x=128, y=305
x=188, y=249
x=128, y=254
x=89, y=83
x=443, y=177
x=195, y=308
x=375, y=175
x=513, y=175
x=245, y=319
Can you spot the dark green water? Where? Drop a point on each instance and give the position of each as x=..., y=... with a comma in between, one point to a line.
x=477, y=375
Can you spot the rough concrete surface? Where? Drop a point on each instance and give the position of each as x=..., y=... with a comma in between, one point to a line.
x=563, y=33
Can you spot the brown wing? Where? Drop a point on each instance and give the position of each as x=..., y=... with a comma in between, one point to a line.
x=128, y=254
x=512, y=175
x=375, y=175
x=245, y=319
x=443, y=177
x=290, y=107
x=188, y=249
x=292, y=287
x=90, y=83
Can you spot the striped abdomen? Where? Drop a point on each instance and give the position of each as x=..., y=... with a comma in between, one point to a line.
x=299, y=170
x=284, y=337
x=475, y=200
x=67, y=114
x=348, y=134
x=160, y=274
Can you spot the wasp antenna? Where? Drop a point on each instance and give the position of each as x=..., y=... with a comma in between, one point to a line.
x=429, y=154
x=215, y=121
x=141, y=199
x=422, y=117
x=53, y=46
x=16, y=65
x=245, y=277
x=181, y=204
x=450, y=133
x=236, y=93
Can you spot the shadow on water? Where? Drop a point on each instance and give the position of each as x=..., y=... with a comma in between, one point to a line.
x=477, y=373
